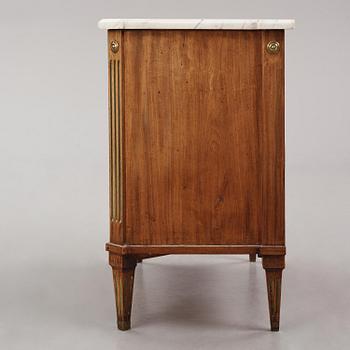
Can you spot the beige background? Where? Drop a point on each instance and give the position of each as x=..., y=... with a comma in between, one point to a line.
x=56, y=287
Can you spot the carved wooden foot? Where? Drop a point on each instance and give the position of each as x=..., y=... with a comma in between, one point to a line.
x=273, y=266
x=252, y=257
x=123, y=267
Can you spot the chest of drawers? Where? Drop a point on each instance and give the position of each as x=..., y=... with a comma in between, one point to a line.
x=196, y=119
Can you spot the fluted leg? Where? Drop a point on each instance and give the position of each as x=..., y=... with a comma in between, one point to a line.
x=123, y=267
x=274, y=266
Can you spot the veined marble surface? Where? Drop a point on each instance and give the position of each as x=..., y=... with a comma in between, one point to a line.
x=161, y=23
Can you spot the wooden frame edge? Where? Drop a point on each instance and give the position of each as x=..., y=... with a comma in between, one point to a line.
x=149, y=250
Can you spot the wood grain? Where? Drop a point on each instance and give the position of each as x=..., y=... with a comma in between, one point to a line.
x=196, y=151
x=193, y=170
x=195, y=249
x=272, y=143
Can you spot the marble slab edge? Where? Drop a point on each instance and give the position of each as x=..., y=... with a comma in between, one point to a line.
x=224, y=24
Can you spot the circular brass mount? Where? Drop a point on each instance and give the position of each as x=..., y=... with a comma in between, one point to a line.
x=273, y=47
x=114, y=46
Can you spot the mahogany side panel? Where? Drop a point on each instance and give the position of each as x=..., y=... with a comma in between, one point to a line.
x=192, y=137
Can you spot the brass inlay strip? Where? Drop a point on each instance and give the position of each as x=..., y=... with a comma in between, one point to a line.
x=111, y=142
x=120, y=143
x=115, y=141
x=116, y=146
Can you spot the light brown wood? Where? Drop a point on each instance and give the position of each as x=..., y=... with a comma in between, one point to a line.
x=194, y=249
x=123, y=268
x=192, y=137
x=271, y=131
x=196, y=151
x=116, y=137
x=274, y=266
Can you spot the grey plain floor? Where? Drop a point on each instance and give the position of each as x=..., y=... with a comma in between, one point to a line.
x=61, y=297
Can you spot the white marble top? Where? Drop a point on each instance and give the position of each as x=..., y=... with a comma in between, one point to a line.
x=161, y=23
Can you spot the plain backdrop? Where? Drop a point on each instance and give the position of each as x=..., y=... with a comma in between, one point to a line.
x=55, y=284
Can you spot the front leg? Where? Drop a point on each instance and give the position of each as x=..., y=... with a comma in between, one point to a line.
x=273, y=266
x=123, y=267
x=252, y=257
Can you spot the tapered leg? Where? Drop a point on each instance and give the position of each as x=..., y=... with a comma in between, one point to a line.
x=123, y=276
x=274, y=266
x=252, y=257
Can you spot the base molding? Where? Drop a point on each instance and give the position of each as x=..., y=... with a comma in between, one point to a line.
x=152, y=250
x=124, y=258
